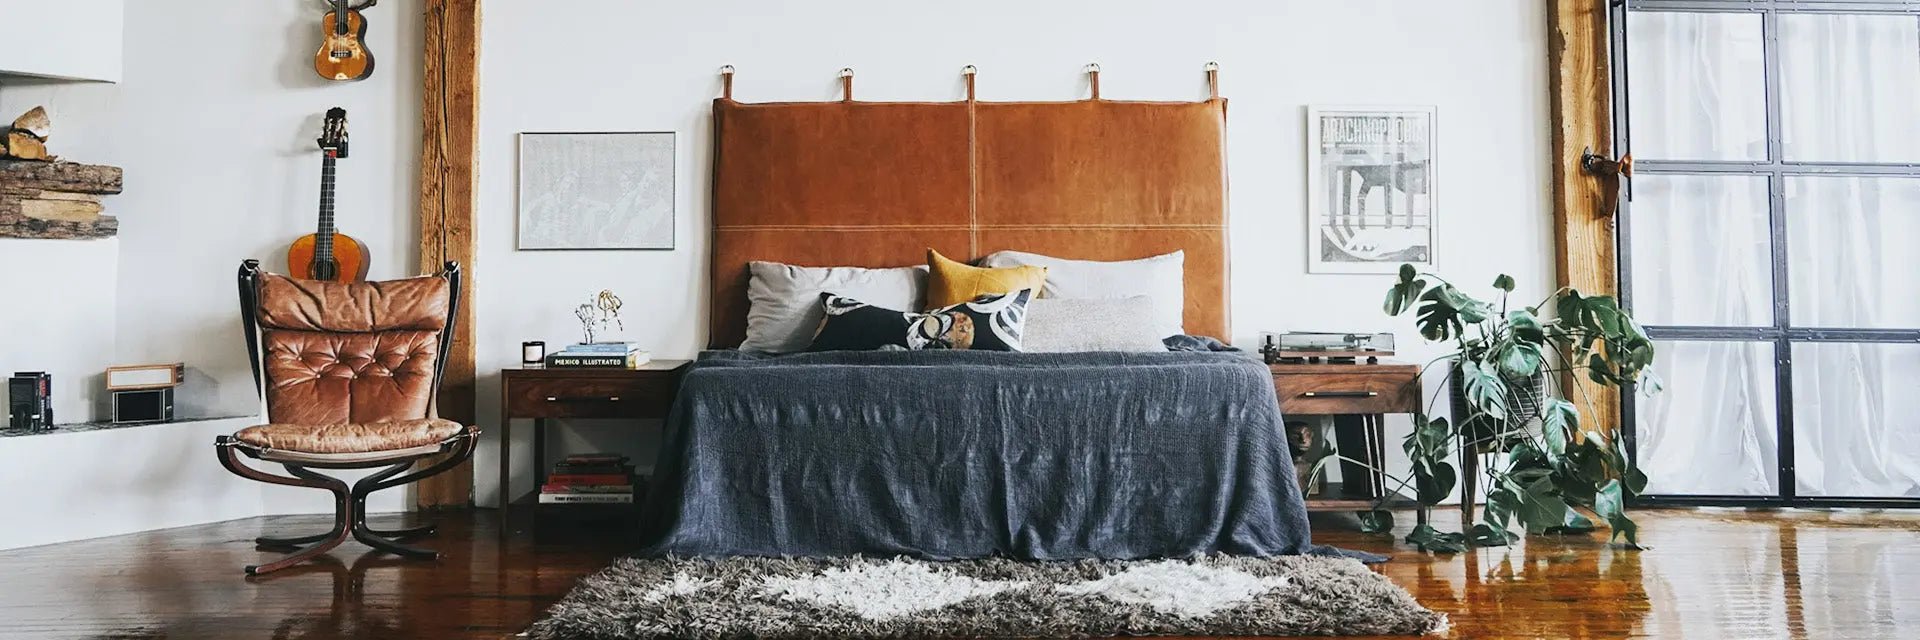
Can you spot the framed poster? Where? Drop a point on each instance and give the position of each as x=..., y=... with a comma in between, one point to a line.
x=596, y=190
x=1370, y=188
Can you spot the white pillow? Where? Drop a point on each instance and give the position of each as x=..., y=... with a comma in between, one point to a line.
x=785, y=312
x=1064, y=325
x=1161, y=278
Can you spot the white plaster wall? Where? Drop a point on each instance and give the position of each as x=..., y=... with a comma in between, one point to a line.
x=72, y=39
x=616, y=65
x=64, y=324
x=220, y=165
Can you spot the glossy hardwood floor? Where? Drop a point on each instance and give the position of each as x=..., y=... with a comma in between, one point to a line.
x=1709, y=574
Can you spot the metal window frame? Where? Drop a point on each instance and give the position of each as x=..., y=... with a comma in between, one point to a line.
x=1782, y=334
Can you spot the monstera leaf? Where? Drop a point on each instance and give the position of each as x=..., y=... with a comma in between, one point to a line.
x=1405, y=292
x=1445, y=312
x=1486, y=391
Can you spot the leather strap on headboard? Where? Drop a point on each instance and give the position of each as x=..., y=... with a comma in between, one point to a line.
x=876, y=184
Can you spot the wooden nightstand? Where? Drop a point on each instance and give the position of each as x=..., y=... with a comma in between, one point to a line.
x=1358, y=397
x=541, y=394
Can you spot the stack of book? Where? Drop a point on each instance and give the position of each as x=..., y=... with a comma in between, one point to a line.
x=590, y=478
x=600, y=355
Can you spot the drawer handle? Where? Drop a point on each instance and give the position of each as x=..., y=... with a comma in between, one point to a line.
x=1340, y=394
x=582, y=399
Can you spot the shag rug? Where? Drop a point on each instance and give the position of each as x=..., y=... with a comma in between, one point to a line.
x=995, y=598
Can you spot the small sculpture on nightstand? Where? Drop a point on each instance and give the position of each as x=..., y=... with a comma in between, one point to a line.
x=601, y=313
x=1302, y=440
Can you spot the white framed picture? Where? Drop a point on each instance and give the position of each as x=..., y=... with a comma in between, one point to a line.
x=596, y=190
x=1371, y=182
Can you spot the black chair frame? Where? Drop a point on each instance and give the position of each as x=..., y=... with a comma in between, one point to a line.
x=350, y=502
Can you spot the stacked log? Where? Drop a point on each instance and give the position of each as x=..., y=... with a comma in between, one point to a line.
x=56, y=199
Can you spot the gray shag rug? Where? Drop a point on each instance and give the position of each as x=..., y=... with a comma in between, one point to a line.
x=994, y=598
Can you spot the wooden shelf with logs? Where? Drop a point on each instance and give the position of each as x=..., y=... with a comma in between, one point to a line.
x=42, y=196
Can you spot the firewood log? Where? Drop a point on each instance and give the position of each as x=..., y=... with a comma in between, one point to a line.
x=22, y=145
x=27, y=138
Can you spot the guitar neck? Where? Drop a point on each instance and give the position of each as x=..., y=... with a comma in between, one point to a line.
x=323, y=238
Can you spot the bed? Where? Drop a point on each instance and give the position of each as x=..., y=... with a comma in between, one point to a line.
x=960, y=454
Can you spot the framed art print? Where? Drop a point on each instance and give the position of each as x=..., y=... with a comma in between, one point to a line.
x=596, y=190
x=1370, y=188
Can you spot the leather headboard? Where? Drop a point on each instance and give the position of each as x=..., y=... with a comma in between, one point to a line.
x=875, y=184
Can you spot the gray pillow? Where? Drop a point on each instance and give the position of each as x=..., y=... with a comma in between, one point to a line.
x=1160, y=277
x=1073, y=325
x=784, y=310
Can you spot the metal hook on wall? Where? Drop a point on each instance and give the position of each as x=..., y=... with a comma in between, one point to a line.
x=969, y=71
x=726, y=82
x=1093, y=78
x=846, y=84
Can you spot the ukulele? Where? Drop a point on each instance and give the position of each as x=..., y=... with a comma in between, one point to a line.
x=343, y=52
x=328, y=254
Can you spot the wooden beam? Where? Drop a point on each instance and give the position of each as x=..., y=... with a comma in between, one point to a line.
x=450, y=118
x=1582, y=111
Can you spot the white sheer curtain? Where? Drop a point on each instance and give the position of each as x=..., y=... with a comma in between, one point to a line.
x=1701, y=253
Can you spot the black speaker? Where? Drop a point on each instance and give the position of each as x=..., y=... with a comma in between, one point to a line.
x=30, y=400
x=143, y=405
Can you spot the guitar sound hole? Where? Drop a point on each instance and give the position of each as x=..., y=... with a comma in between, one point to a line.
x=324, y=269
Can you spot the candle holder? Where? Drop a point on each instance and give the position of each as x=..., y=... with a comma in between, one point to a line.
x=533, y=353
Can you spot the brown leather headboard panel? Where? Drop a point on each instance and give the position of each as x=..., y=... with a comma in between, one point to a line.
x=877, y=184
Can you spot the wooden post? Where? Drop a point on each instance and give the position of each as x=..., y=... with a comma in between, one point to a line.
x=1580, y=84
x=449, y=119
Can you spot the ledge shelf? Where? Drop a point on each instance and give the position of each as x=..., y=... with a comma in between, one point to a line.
x=89, y=427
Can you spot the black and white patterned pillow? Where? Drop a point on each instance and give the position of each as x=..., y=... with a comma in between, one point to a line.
x=987, y=323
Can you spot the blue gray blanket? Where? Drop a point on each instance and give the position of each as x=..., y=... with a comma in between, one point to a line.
x=967, y=454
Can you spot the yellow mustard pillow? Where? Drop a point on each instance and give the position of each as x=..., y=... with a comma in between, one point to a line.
x=950, y=282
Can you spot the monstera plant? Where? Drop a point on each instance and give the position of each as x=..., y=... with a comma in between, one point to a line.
x=1543, y=466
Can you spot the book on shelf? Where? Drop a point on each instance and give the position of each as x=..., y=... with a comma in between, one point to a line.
x=586, y=488
x=588, y=479
x=586, y=498
x=592, y=464
x=578, y=459
x=578, y=360
x=617, y=348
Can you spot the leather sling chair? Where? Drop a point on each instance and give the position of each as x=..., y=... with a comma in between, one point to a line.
x=349, y=373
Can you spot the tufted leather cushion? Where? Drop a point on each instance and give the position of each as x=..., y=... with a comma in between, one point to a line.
x=331, y=378
x=358, y=307
x=361, y=352
x=350, y=437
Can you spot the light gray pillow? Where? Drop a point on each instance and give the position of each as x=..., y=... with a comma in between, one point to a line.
x=785, y=312
x=1073, y=325
x=1161, y=278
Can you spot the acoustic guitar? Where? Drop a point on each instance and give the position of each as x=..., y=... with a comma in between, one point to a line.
x=328, y=254
x=343, y=53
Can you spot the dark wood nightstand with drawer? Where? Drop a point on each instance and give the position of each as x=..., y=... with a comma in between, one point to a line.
x=1358, y=396
x=540, y=394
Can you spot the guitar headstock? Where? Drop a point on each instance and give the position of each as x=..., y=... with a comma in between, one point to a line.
x=333, y=133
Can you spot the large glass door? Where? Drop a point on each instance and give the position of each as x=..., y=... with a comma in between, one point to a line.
x=1769, y=247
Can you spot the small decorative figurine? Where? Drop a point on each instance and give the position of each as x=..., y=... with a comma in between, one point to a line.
x=603, y=312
